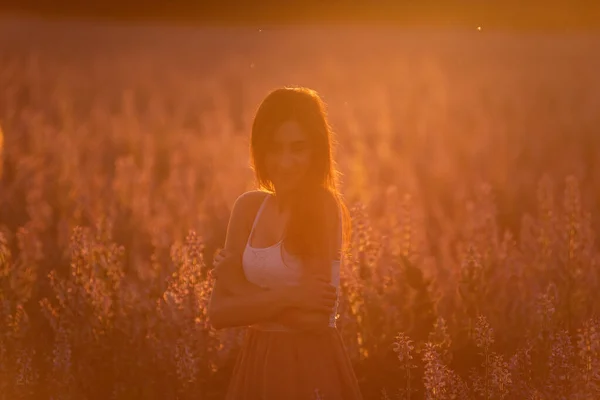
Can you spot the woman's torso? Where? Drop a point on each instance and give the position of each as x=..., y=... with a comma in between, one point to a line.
x=272, y=266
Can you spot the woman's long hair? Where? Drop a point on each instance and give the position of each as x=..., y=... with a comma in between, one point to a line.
x=307, y=233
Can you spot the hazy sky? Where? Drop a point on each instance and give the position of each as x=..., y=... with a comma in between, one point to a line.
x=504, y=13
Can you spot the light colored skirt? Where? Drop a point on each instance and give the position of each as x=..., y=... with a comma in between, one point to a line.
x=291, y=365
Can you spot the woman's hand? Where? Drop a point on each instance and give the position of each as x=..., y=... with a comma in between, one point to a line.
x=217, y=262
x=311, y=294
x=219, y=256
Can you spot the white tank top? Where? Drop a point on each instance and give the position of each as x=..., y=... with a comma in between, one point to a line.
x=270, y=267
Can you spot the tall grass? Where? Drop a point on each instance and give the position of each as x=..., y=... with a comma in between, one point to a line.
x=470, y=162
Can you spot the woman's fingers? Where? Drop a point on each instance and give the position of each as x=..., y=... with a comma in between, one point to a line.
x=217, y=259
x=328, y=290
x=314, y=294
x=327, y=301
x=328, y=294
x=326, y=308
x=219, y=256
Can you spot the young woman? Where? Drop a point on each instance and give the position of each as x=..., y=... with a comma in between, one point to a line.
x=280, y=270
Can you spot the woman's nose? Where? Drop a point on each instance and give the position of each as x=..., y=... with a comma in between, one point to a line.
x=286, y=161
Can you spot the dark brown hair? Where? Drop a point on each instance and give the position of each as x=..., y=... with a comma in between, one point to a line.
x=307, y=233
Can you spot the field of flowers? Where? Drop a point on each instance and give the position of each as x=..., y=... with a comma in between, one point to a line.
x=470, y=161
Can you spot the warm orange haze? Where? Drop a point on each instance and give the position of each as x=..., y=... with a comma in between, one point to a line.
x=469, y=161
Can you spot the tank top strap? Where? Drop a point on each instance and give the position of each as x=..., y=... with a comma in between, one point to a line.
x=258, y=213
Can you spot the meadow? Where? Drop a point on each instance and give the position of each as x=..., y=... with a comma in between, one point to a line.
x=470, y=161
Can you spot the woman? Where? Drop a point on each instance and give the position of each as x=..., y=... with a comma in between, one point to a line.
x=280, y=271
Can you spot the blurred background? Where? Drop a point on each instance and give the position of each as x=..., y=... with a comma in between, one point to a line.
x=468, y=137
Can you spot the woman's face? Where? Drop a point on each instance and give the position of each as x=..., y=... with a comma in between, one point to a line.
x=289, y=157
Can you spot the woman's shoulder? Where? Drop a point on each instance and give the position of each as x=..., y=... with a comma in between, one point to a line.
x=241, y=219
x=248, y=203
x=251, y=198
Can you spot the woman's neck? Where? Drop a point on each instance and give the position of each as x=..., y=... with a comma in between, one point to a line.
x=283, y=200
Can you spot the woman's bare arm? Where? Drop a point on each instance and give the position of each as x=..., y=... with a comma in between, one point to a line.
x=228, y=311
x=231, y=274
x=233, y=282
x=226, y=308
x=291, y=317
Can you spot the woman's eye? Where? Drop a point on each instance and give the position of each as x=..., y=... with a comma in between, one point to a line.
x=275, y=148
